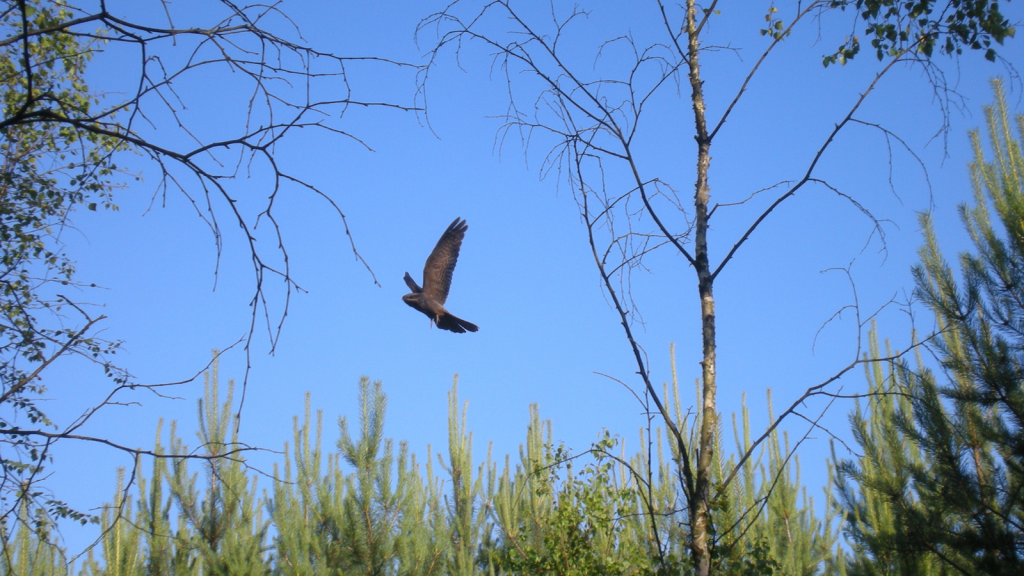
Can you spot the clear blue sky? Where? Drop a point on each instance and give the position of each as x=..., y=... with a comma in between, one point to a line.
x=525, y=275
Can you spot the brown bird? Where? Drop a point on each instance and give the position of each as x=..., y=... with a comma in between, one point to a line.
x=437, y=279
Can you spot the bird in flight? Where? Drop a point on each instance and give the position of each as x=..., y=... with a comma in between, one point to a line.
x=437, y=279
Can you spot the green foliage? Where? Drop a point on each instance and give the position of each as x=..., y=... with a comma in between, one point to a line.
x=224, y=520
x=579, y=525
x=775, y=28
x=894, y=26
x=941, y=481
x=626, y=516
x=766, y=523
x=873, y=490
x=467, y=520
x=30, y=548
x=365, y=522
x=181, y=525
x=366, y=528
x=120, y=543
x=364, y=510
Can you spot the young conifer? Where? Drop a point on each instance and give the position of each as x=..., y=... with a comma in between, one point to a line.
x=950, y=460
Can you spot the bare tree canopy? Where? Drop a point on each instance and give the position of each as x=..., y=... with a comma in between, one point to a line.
x=590, y=121
x=68, y=146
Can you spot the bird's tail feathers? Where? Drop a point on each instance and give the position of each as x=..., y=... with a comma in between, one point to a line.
x=448, y=321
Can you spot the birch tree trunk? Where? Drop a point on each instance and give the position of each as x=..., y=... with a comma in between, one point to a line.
x=701, y=504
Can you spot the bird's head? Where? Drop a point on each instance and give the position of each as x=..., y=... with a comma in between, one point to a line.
x=413, y=300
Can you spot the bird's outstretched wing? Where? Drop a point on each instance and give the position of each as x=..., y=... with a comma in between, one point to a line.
x=437, y=273
x=412, y=284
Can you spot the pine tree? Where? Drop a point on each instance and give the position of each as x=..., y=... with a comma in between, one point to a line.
x=950, y=461
x=365, y=510
x=872, y=491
